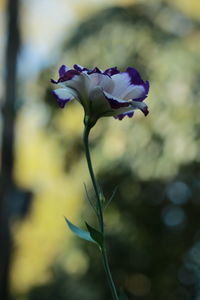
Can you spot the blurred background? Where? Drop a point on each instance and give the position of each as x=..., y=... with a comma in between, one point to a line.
x=153, y=224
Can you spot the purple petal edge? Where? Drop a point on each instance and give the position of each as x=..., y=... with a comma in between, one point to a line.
x=135, y=77
x=95, y=70
x=65, y=75
x=54, y=81
x=111, y=71
x=121, y=116
x=146, y=88
x=61, y=102
x=63, y=69
x=145, y=111
x=68, y=75
x=80, y=68
x=116, y=104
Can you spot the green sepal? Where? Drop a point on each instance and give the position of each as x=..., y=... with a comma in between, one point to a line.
x=85, y=235
x=96, y=235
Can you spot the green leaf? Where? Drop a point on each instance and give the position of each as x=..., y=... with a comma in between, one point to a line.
x=90, y=201
x=85, y=235
x=96, y=235
x=122, y=296
x=111, y=197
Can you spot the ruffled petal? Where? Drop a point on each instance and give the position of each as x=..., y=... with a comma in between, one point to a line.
x=129, y=85
x=111, y=71
x=128, y=114
x=68, y=75
x=145, y=94
x=140, y=105
x=103, y=93
x=134, y=76
x=65, y=74
x=81, y=84
x=101, y=80
x=64, y=95
x=95, y=70
x=134, y=92
x=146, y=86
x=63, y=69
x=79, y=68
x=121, y=83
x=130, y=110
x=115, y=102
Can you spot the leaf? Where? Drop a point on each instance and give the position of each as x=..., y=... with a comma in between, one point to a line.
x=96, y=235
x=123, y=296
x=90, y=201
x=111, y=197
x=85, y=235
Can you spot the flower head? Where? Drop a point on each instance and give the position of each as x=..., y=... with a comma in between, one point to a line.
x=102, y=93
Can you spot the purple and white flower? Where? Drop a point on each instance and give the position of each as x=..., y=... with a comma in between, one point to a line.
x=102, y=93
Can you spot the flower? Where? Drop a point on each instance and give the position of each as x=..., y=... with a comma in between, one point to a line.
x=102, y=93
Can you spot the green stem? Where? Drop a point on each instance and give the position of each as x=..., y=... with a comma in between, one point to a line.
x=94, y=182
x=108, y=274
x=99, y=210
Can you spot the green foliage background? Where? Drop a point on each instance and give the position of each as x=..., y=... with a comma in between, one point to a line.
x=153, y=222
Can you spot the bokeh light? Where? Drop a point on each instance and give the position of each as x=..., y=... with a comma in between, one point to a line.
x=152, y=223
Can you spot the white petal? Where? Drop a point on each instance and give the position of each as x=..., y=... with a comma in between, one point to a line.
x=101, y=102
x=65, y=94
x=110, y=96
x=102, y=80
x=81, y=85
x=134, y=92
x=121, y=83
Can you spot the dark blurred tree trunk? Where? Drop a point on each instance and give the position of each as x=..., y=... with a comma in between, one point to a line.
x=7, y=153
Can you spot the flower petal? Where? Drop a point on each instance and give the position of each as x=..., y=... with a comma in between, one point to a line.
x=101, y=80
x=135, y=105
x=99, y=104
x=95, y=70
x=140, y=105
x=134, y=76
x=128, y=114
x=111, y=71
x=64, y=95
x=143, y=96
x=134, y=92
x=121, y=83
x=138, y=89
x=68, y=75
x=81, y=84
x=116, y=102
x=146, y=86
x=79, y=68
x=63, y=69
x=103, y=104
